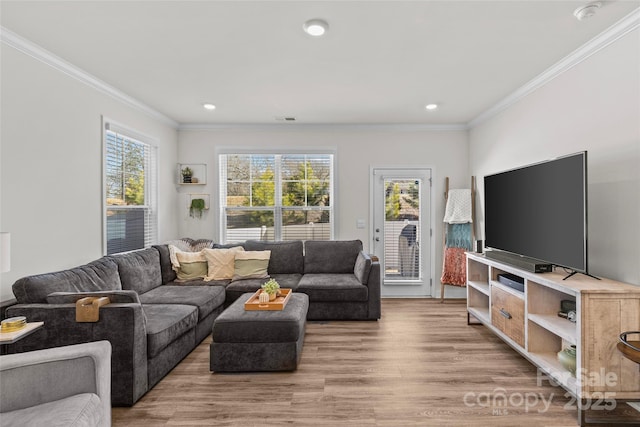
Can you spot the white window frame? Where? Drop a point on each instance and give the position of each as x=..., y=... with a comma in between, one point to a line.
x=222, y=217
x=150, y=186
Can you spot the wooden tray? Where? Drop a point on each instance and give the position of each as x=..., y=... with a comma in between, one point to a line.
x=253, y=303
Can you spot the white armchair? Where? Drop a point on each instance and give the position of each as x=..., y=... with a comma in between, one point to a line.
x=62, y=386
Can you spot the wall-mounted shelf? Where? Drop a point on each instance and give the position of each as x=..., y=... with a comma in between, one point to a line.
x=197, y=213
x=199, y=173
x=203, y=196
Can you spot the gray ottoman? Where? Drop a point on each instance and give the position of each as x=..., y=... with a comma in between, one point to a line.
x=245, y=341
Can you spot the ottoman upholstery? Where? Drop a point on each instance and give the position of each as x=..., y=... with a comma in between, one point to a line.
x=245, y=341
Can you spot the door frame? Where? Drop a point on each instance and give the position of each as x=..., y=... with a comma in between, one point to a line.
x=431, y=225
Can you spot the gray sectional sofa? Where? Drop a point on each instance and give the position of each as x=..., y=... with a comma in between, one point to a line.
x=153, y=321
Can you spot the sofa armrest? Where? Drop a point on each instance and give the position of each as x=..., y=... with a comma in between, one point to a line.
x=123, y=297
x=42, y=376
x=373, y=284
x=123, y=325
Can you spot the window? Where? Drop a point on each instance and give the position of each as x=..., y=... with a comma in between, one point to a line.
x=276, y=197
x=130, y=213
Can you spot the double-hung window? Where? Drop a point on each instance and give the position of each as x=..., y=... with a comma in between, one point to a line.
x=130, y=176
x=276, y=197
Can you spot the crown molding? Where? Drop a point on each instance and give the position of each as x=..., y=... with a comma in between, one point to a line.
x=407, y=127
x=604, y=39
x=31, y=49
x=620, y=29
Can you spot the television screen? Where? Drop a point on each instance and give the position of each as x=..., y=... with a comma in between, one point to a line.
x=540, y=211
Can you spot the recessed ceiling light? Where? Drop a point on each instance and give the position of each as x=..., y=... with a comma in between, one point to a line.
x=315, y=27
x=431, y=107
x=209, y=106
x=587, y=11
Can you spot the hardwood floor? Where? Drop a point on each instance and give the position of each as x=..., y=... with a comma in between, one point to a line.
x=420, y=365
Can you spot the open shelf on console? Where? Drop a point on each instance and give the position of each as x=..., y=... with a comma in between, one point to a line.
x=480, y=286
x=545, y=300
x=564, y=328
x=480, y=313
x=548, y=363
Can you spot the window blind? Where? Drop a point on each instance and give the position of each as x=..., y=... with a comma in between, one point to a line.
x=130, y=188
x=276, y=197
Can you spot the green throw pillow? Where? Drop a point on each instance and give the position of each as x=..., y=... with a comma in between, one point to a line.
x=192, y=265
x=251, y=265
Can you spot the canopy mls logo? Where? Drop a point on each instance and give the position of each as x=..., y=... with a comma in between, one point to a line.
x=500, y=401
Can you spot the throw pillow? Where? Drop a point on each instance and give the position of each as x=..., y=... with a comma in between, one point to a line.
x=251, y=265
x=191, y=265
x=189, y=245
x=221, y=263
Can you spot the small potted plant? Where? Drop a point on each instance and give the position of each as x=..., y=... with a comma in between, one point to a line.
x=272, y=288
x=187, y=173
x=196, y=208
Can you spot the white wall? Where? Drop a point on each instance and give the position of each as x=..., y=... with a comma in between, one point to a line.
x=357, y=148
x=594, y=106
x=51, y=167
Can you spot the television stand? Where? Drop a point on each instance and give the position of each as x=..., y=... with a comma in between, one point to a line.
x=528, y=322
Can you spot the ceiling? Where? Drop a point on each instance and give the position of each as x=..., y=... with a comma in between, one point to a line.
x=380, y=62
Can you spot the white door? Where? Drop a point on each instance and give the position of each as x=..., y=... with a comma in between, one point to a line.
x=401, y=235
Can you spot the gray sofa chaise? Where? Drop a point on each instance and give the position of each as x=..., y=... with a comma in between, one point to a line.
x=153, y=321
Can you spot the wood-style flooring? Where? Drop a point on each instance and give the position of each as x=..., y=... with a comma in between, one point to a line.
x=420, y=365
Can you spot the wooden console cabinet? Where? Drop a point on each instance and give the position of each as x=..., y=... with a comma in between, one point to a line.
x=528, y=321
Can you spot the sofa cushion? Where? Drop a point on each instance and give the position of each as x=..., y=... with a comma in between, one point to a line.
x=333, y=287
x=221, y=262
x=251, y=265
x=166, y=269
x=98, y=275
x=80, y=410
x=139, y=270
x=362, y=267
x=205, y=298
x=331, y=256
x=239, y=287
x=251, y=285
x=286, y=257
x=166, y=323
x=202, y=282
x=116, y=297
x=285, y=281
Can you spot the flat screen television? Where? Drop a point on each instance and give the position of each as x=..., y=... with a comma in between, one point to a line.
x=539, y=211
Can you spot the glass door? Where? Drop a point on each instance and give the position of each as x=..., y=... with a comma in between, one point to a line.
x=401, y=235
